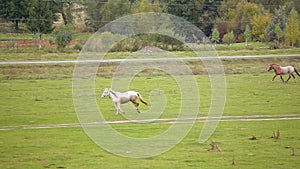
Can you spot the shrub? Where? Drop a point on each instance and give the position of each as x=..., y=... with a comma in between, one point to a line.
x=63, y=36
x=77, y=47
x=228, y=38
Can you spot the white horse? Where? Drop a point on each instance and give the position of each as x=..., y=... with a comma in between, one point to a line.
x=121, y=98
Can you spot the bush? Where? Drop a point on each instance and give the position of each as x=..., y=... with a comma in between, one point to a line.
x=228, y=38
x=63, y=36
x=77, y=47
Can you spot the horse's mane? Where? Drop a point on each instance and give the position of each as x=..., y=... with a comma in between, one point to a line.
x=112, y=92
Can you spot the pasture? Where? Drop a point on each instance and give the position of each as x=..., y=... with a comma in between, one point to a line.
x=39, y=127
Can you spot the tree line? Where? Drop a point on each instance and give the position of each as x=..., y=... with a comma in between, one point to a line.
x=224, y=21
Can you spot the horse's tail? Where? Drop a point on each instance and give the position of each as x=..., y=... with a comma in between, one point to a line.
x=297, y=72
x=141, y=99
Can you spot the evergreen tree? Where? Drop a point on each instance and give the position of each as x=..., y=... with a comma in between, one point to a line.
x=208, y=15
x=215, y=37
x=40, y=18
x=4, y=6
x=189, y=10
x=15, y=11
x=202, y=13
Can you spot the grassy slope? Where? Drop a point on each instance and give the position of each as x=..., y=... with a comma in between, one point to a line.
x=50, y=101
x=42, y=95
x=71, y=148
x=36, y=102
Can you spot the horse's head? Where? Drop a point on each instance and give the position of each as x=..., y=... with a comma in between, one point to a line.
x=270, y=67
x=105, y=93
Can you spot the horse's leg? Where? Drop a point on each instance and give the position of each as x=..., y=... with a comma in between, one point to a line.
x=119, y=107
x=293, y=77
x=288, y=78
x=281, y=78
x=137, y=107
x=116, y=106
x=274, y=77
x=136, y=104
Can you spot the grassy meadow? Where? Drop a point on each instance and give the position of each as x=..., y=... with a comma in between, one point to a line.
x=36, y=97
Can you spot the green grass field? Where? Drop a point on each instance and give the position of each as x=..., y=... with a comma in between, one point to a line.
x=35, y=97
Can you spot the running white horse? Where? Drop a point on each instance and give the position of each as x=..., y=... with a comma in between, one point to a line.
x=121, y=98
x=281, y=70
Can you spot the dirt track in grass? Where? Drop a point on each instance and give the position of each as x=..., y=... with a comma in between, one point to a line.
x=142, y=59
x=163, y=121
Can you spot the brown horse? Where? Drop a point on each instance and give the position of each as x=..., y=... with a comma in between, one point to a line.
x=281, y=70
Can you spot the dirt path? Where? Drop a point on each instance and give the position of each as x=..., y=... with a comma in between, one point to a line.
x=162, y=121
x=140, y=59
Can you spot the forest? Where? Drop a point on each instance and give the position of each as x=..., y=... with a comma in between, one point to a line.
x=223, y=21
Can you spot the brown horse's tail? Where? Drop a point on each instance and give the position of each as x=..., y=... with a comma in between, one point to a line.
x=297, y=72
x=141, y=99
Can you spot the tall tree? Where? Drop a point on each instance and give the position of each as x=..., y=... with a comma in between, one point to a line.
x=270, y=5
x=260, y=24
x=226, y=12
x=114, y=9
x=4, y=6
x=292, y=30
x=148, y=6
x=280, y=14
x=208, y=16
x=202, y=13
x=65, y=7
x=189, y=10
x=279, y=32
x=297, y=5
x=247, y=34
x=15, y=11
x=227, y=9
x=40, y=18
x=94, y=14
x=240, y=15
